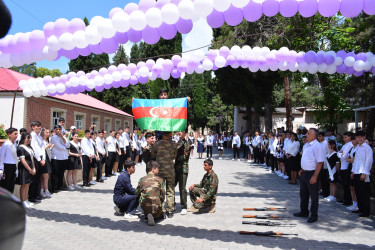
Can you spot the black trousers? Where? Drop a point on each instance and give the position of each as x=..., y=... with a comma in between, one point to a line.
x=345, y=182
x=261, y=156
x=268, y=156
x=307, y=191
x=325, y=182
x=236, y=152
x=256, y=155
x=34, y=189
x=273, y=162
x=57, y=174
x=109, y=163
x=86, y=168
x=122, y=160
x=128, y=152
x=99, y=165
x=362, y=191
x=245, y=151
x=10, y=177
x=209, y=151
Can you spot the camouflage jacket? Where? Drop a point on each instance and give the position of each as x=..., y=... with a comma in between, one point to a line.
x=210, y=184
x=146, y=154
x=164, y=151
x=150, y=189
x=183, y=155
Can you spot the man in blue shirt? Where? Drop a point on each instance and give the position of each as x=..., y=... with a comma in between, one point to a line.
x=124, y=194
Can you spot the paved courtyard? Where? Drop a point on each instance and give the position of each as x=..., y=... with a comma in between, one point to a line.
x=85, y=219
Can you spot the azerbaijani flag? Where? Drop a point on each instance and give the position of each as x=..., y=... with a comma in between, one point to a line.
x=160, y=114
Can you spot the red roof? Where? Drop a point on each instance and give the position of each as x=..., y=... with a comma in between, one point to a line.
x=9, y=80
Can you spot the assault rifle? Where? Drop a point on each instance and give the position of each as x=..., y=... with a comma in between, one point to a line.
x=264, y=208
x=267, y=216
x=267, y=223
x=269, y=233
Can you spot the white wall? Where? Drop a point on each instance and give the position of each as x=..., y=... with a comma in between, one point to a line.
x=6, y=102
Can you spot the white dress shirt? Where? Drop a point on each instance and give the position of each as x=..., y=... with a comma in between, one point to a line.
x=8, y=154
x=313, y=153
x=87, y=147
x=293, y=148
x=324, y=143
x=210, y=140
x=272, y=145
x=236, y=141
x=342, y=156
x=248, y=141
x=256, y=141
x=111, y=146
x=363, y=160
x=38, y=146
x=121, y=140
x=60, y=150
x=100, y=145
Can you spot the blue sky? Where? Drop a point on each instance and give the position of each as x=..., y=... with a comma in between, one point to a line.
x=29, y=15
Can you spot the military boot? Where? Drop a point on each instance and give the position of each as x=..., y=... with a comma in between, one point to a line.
x=212, y=208
x=192, y=209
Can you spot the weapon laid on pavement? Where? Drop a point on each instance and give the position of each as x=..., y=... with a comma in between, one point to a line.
x=267, y=223
x=269, y=233
x=267, y=216
x=264, y=208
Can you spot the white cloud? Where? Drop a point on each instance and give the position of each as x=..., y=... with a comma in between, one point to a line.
x=200, y=35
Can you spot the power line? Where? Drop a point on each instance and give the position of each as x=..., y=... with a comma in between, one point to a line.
x=31, y=14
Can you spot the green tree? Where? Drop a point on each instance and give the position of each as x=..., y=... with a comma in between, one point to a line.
x=27, y=69
x=41, y=72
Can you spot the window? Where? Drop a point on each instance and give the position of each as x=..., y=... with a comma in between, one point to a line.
x=117, y=124
x=96, y=120
x=55, y=117
x=108, y=125
x=79, y=121
x=126, y=124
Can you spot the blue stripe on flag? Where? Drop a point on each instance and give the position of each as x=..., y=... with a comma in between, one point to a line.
x=175, y=103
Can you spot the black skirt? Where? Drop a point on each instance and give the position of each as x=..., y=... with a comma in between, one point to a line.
x=46, y=169
x=24, y=177
x=74, y=163
x=293, y=163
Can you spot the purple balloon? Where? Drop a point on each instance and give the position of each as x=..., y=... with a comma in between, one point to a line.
x=124, y=83
x=109, y=45
x=37, y=39
x=193, y=63
x=351, y=54
x=167, y=31
x=144, y=5
x=215, y=19
x=84, y=52
x=130, y=7
x=176, y=59
x=270, y=7
x=341, y=53
x=157, y=69
x=103, y=71
x=361, y=56
x=70, y=54
x=230, y=59
x=61, y=26
x=214, y=68
x=184, y=26
x=358, y=73
x=175, y=73
x=369, y=7
x=310, y=57
x=134, y=36
x=141, y=64
x=349, y=70
x=233, y=16
x=240, y=59
x=351, y=8
x=133, y=80
x=308, y=8
x=132, y=68
x=96, y=49
x=252, y=12
x=150, y=63
x=328, y=8
x=150, y=35
x=107, y=86
x=116, y=85
x=23, y=42
x=373, y=70
x=121, y=38
x=167, y=65
x=299, y=57
x=143, y=80
x=12, y=45
x=48, y=29
x=211, y=54
x=224, y=51
x=329, y=59
x=161, y=3
x=288, y=8
x=76, y=24
x=319, y=58
x=341, y=69
x=182, y=66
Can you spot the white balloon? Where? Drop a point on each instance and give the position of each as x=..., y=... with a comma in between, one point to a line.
x=60, y=88
x=36, y=92
x=143, y=71
x=265, y=51
x=240, y=3
x=152, y=76
x=153, y=17
x=91, y=84
x=98, y=80
x=68, y=85
x=199, y=55
x=96, y=20
x=137, y=20
x=349, y=61
x=22, y=84
x=257, y=51
x=283, y=66
x=169, y=13
x=331, y=69
x=74, y=81
x=220, y=61
x=254, y=68
x=39, y=81
x=189, y=71
x=367, y=66
x=203, y=7
x=369, y=56
x=359, y=65
x=51, y=89
x=44, y=91
x=292, y=67
x=80, y=40
x=125, y=74
x=66, y=41
x=83, y=80
x=372, y=61
x=121, y=21
x=27, y=92
x=322, y=68
x=186, y=9
x=264, y=68
x=246, y=51
x=49, y=54
x=195, y=17
x=274, y=67
x=235, y=65
x=221, y=5
x=199, y=69
x=53, y=43
x=313, y=68
x=92, y=35
x=5, y=60
x=236, y=51
x=108, y=79
x=165, y=75
x=106, y=28
x=207, y=65
x=338, y=61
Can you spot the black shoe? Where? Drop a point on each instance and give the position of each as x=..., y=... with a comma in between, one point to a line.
x=300, y=214
x=164, y=216
x=357, y=212
x=100, y=180
x=170, y=214
x=312, y=219
x=364, y=215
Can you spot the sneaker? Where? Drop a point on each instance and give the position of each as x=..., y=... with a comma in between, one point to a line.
x=150, y=220
x=212, y=208
x=130, y=216
x=47, y=193
x=333, y=199
x=328, y=198
x=116, y=174
x=286, y=177
x=92, y=182
x=353, y=208
x=71, y=188
x=76, y=186
x=42, y=194
x=118, y=211
x=192, y=209
x=183, y=211
x=248, y=161
x=104, y=178
x=238, y=160
x=220, y=158
x=27, y=204
x=233, y=159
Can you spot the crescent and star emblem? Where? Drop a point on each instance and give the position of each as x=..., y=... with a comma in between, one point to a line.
x=157, y=112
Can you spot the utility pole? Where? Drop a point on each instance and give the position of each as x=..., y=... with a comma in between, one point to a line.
x=287, y=103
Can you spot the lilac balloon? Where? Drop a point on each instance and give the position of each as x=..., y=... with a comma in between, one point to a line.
x=124, y=83
x=361, y=56
x=215, y=19
x=143, y=80
x=175, y=73
x=150, y=35
x=114, y=11
x=369, y=7
x=144, y=5
x=176, y=59
x=61, y=26
x=329, y=59
x=84, y=52
x=310, y=57
x=341, y=69
x=328, y=8
x=240, y=59
x=214, y=68
x=70, y=54
x=373, y=70
x=96, y=49
x=308, y=8
x=130, y=7
x=150, y=63
x=351, y=8
x=80, y=73
x=37, y=39
x=300, y=57
x=120, y=67
x=161, y=3
x=184, y=26
x=224, y=51
x=182, y=66
x=358, y=73
x=107, y=86
x=193, y=63
x=116, y=85
x=132, y=68
x=167, y=31
x=252, y=12
x=167, y=65
x=109, y=45
x=270, y=7
x=48, y=29
x=76, y=24
x=230, y=59
x=319, y=58
x=270, y=60
x=211, y=54
x=233, y=16
x=351, y=54
x=157, y=69
x=288, y=8
x=23, y=42
x=134, y=36
x=103, y=71
x=133, y=80
x=121, y=38
x=349, y=70
x=140, y=64
x=341, y=53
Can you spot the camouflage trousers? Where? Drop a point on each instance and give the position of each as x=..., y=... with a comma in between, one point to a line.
x=199, y=192
x=169, y=186
x=181, y=179
x=153, y=207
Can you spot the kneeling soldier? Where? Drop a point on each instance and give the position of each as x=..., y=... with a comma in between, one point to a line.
x=150, y=189
x=206, y=190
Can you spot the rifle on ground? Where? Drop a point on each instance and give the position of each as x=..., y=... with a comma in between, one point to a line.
x=267, y=216
x=269, y=233
x=264, y=208
x=267, y=223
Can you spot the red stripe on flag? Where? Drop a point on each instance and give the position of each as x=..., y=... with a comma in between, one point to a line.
x=160, y=112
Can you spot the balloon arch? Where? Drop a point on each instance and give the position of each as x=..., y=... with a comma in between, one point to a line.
x=151, y=20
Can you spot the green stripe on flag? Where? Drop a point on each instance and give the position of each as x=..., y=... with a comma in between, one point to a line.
x=161, y=124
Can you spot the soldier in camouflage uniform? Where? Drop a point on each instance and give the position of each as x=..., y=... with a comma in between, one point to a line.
x=206, y=190
x=165, y=151
x=146, y=153
x=150, y=189
x=181, y=167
